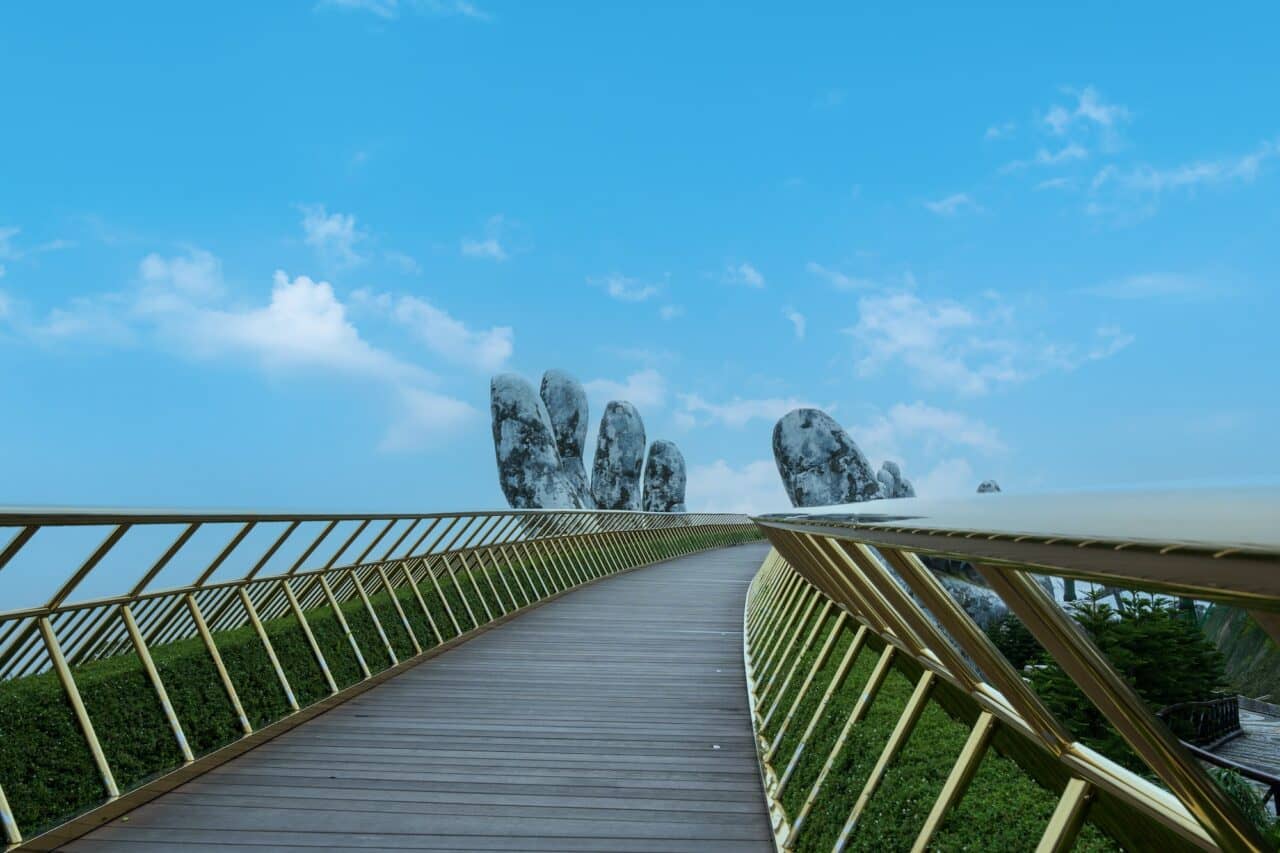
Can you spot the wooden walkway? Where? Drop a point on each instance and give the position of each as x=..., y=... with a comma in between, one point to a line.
x=612, y=719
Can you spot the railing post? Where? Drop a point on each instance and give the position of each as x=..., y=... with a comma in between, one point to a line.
x=202, y=628
x=266, y=644
x=346, y=627
x=77, y=705
x=311, y=638
x=144, y=655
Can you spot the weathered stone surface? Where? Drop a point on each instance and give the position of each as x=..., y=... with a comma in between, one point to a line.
x=528, y=462
x=819, y=463
x=986, y=487
x=664, y=478
x=566, y=402
x=892, y=483
x=980, y=602
x=615, y=472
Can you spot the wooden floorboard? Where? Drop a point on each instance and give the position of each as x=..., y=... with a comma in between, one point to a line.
x=614, y=718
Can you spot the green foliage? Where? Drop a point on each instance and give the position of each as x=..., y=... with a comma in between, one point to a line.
x=1013, y=640
x=1001, y=810
x=1156, y=647
x=48, y=773
x=1249, y=801
x=1252, y=657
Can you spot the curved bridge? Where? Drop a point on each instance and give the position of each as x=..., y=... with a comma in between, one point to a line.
x=613, y=718
x=581, y=680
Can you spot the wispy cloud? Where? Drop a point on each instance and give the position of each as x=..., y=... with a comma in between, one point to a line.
x=1166, y=286
x=670, y=312
x=1089, y=109
x=953, y=204
x=797, y=321
x=443, y=334
x=390, y=9
x=626, y=289
x=11, y=251
x=490, y=245
x=837, y=279
x=1045, y=157
x=744, y=274
x=1145, y=178
x=999, y=131
x=752, y=488
x=935, y=428
x=946, y=345
x=644, y=388
x=738, y=412
x=333, y=235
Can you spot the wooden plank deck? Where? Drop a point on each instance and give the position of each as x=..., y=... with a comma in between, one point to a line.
x=612, y=719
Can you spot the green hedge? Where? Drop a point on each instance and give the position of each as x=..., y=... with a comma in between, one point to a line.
x=48, y=774
x=1003, y=809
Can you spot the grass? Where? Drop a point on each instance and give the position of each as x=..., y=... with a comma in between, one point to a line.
x=46, y=769
x=1003, y=809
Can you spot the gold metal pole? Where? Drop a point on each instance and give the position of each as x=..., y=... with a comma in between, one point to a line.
x=1086, y=665
x=212, y=648
x=824, y=654
x=77, y=705
x=1060, y=835
x=901, y=732
x=346, y=627
x=860, y=709
x=422, y=602
x=7, y=821
x=958, y=781
x=395, y=602
x=157, y=684
x=266, y=644
x=311, y=638
x=377, y=623
x=444, y=599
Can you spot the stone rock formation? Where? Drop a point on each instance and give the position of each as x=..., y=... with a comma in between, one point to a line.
x=892, y=483
x=528, y=462
x=615, y=473
x=986, y=487
x=664, y=478
x=566, y=402
x=818, y=461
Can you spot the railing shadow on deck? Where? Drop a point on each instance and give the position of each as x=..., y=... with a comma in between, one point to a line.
x=111, y=699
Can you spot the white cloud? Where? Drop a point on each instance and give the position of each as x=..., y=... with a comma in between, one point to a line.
x=389, y=9
x=944, y=344
x=837, y=279
x=1243, y=168
x=423, y=417
x=304, y=326
x=7, y=233
x=997, y=131
x=751, y=488
x=1154, y=286
x=196, y=275
x=403, y=262
x=626, y=289
x=1089, y=108
x=670, y=312
x=1056, y=184
x=1045, y=157
x=332, y=235
x=953, y=204
x=11, y=252
x=920, y=424
x=451, y=339
x=645, y=388
x=744, y=274
x=797, y=321
x=738, y=412
x=489, y=246
x=950, y=478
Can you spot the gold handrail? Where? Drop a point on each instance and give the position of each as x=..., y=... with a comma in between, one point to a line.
x=866, y=561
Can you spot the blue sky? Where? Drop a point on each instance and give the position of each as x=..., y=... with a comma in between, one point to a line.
x=269, y=255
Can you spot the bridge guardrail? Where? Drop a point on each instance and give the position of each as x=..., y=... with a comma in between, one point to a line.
x=858, y=569
x=325, y=606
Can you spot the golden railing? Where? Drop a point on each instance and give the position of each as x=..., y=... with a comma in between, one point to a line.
x=423, y=581
x=862, y=566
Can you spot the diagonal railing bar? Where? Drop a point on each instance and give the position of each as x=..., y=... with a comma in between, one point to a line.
x=411, y=581
x=863, y=577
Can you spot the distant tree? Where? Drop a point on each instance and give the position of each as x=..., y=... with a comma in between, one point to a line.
x=1150, y=641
